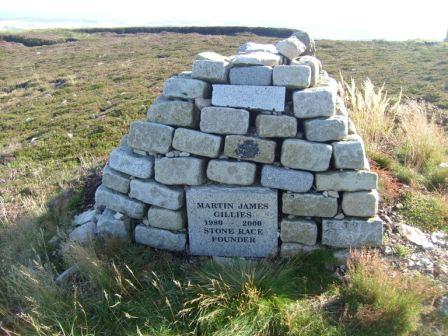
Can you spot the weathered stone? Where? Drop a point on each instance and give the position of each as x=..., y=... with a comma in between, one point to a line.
x=197, y=143
x=313, y=63
x=292, y=76
x=249, y=148
x=271, y=98
x=115, y=180
x=174, y=112
x=150, y=137
x=291, y=47
x=415, y=236
x=257, y=58
x=341, y=109
x=83, y=234
x=349, y=154
x=360, y=203
x=296, y=230
x=125, y=161
x=119, y=202
x=160, y=239
x=124, y=141
x=180, y=170
x=346, y=180
x=109, y=226
x=211, y=71
x=210, y=56
x=270, y=126
x=161, y=218
x=314, y=205
x=157, y=194
x=352, y=232
x=250, y=47
x=200, y=103
x=328, y=129
x=186, y=88
x=224, y=120
x=225, y=221
x=305, y=38
x=301, y=154
x=314, y=102
x=286, y=179
x=252, y=75
x=231, y=172
x=86, y=216
x=293, y=249
x=65, y=276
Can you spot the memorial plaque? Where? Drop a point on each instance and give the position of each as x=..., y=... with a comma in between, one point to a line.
x=227, y=221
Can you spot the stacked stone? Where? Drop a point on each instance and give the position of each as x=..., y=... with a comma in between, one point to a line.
x=266, y=117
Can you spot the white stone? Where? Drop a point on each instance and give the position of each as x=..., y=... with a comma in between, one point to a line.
x=231, y=172
x=115, y=180
x=224, y=120
x=301, y=154
x=83, y=234
x=349, y=154
x=160, y=239
x=314, y=102
x=257, y=58
x=174, y=112
x=150, y=137
x=415, y=236
x=250, y=148
x=313, y=63
x=211, y=71
x=290, y=47
x=185, y=88
x=314, y=205
x=197, y=143
x=250, y=47
x=346, y=180
x=109, y=226
x=251, y=75
x=292, y=76
x=301, y=231
x=86, y=216
x=286, y=179
x=161, y=218
x=306, y=39
x=115, y=201
x=180, y=170
x=154, y=193
x=270, y=126
x=326, y=129
x=360, y=203
x=210, y=56
x=125, y=161
x=352, y=232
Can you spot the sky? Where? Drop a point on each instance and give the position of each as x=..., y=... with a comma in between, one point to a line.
x=334, y=19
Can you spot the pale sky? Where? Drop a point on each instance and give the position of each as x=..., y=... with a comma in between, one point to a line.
x=343, y=19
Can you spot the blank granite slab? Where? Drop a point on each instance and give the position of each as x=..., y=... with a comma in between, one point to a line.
x=250, y=148
x=360, y=203
x=352, y=232
x=125, y=161
x=210, y=56
x=225, y=221
x=271, y=126
x=249, y=47
x=109, y=226
x=314, y=102
x=197, y=143
x=157, y=194
x=293, y=249
x=115, y=180
x=306, y=155
x=296, y=230
x=271, y=98
x=286, y=179
x=180, y=170
x=121, y=203
x=313, y=63
x=150, y=137
x=167, y=219
x=291, y=47
x=257, y=58
x=326, y=129
x=314, y=205
x=186, y=88
x=224, y=120
x=160, y=239
x=231, y=172
x=346, y=180
x=212, y=71
x=252, y=75
x=174, y=112
x=292, y=76
x=349, y=154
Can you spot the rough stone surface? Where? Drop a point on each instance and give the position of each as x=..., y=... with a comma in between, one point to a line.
x=314, y=102
x=313, y=63
x=109, y=226
x=115, y=180
x=250, y=47
x=150, y=137
x=200, y=103
x=250, y=148
x=257, y=58
x=292, y=249
x=224, y=120
x=349, y=154
x=174, y=112
x=328, y=129
x=83, y=234
x=186, y=88
x=291, y=47
x=315, y=205
x=119, y=202
x=125, y=161
x=271, y=126
x=227, y=221
x=231, y=172
x=296, y=230
x=271, y=98
x=160, y=239
x=210, y=56
x=252, y=75
x=161, y=218
x=352, y=232
x=346, y=180
x=415, y=236
x=157, y=194
x=286, y=179
x=197, y=143
x=211, y=71
x=306, y=39
x=360, y=203
x=300, y=154
x=180, y=170
x=86, y=216
x=292, y=76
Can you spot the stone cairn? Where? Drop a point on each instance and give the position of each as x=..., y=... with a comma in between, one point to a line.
x=265, y=127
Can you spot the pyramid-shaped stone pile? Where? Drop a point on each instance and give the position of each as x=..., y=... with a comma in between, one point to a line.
x=241, y=156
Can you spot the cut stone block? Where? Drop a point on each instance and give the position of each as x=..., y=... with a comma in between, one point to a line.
x=305, y=38
x=167, y=219
x=180, y=170
x=352, y=232
x=197, y=143
x=313, y=63
x=360, y=203
x=293, y=249
x=157, y=194
x=301, y=154
x=314, y=102
x=286, y=179
x=314, y=205
x=200, y=103
x=150, y=137
x=85, y=217
x=186, y=88
x=121, y=203
x=83, y=234
x=224, y=120
x=271, y=126
x=211, y=71
x=257, y=58
x=291, y=47
x=328, y=129
x=231, y=172
x=249, y=148
x=349, y=154
x=174, y=112
x=297, y=230
x=252, y=75
x=250, y=47
x=210, y=56
x=292, y=76
x=109, y=226
x=160, y=239
x=115, y=180
x=346, y=180
x=271, y=98
x=125, y=161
